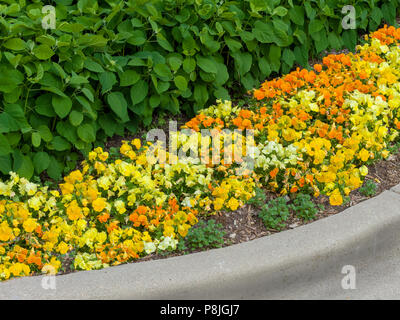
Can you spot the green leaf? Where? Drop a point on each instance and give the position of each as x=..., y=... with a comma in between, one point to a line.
x=376, y=15
x=60, y=144
x=296, y=14
x=163, y=42
x=275, y=57
x=263, y=32
x=243, y=61
x=62, y=105
x=5, y=164
x=175, y=62
x=163, y=71
x=189, y=64
x=207, y=64
x=45, y=133
x=15, y=44
x=10, y=78
x=8, y=123
x=264, y=66
x=200, y=94
x=280, y=11
x=289, y=57
x=88, y=94
x=129, y=77
x=5, y=147
x=43, y=52
x=23, y=165
x=138, y=38
x=233, y=45
x=77, y=80
x=92, y=65
x=86, y=106
x=87, y=133
x=118, y=104
x=222, y=75
x=315, y=26
x=107, y=80
x=41, y=161
x=36, y=139
x=54, y=169
x=76, y=118
x=181, y=83
x=139, y=91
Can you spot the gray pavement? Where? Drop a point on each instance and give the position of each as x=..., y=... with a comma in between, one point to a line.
x=303, y=263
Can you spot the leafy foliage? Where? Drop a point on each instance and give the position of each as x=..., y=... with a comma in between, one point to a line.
x=110, y=64
x=303, y=207
x=275, y=213
x=206, y=234
x=368, y=189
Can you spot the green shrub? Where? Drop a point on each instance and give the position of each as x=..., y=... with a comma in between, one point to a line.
x=275, y=213
x=259, y=199
x=303, y=207
x=368, y=189
x=109, y=64
x=205, y=235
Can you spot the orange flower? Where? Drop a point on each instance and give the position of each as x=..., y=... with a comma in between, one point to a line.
x=273, y=173
x=103, y=217
x=317, y=67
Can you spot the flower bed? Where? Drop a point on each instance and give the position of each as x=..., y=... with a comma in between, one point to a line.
x=314, y=132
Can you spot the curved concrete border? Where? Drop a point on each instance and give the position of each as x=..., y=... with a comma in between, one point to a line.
x=305, y=262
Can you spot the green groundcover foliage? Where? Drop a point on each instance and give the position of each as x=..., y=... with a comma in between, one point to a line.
x=110, y=64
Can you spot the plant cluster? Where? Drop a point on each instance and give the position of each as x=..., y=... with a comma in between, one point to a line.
x=275, y=213
x=303, y=207
x=316, y=130
x=368, y=189
x=110, y=64
x=206, y=234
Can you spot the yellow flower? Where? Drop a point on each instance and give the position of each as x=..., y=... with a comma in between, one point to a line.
x=136, y=143
x=120, y=206
x=385, y=153
x=92, y=155
x=218, y=203
x=18, y=268
x=103, y=156
x=336, y=198
x=99, y=204
x=363, y=170
x=74, y=212
x=363, y=154
x=66, y=188
x=233, y=204
x=5, y=231
x=29, y=225
x=62, y=248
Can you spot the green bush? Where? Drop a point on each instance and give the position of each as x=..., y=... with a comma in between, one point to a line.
x=205, y=235
x=303, y=207
x=369, y=188
x=275, y=213
x=109, y=64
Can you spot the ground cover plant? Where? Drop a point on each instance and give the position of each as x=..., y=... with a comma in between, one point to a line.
x=315, y=133
x=109, y=65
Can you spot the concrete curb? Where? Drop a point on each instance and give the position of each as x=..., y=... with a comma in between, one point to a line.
x=302, y=263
